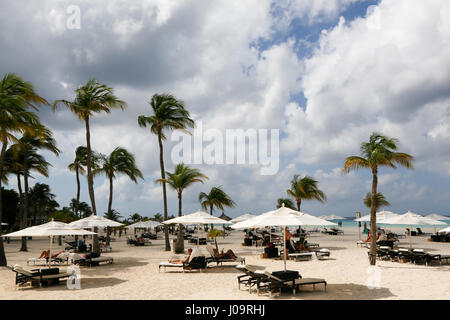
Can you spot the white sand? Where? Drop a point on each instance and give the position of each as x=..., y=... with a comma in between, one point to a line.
x=134, y=275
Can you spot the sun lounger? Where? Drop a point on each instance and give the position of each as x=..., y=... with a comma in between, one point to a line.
x=39, y=277
x=89, y=262
x=301, y=256
x=212, y=258
x=273, y=282
x=250, y=278
x=197, y=262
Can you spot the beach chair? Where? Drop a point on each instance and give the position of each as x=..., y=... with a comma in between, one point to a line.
x=383, y=252
x=421, y=233
x=93, y=261
x=195, y=262
x=213, y=258
x=60, y=259
x=273, y=281
x=38, y=277
x=420, y=256
x=337, y=231
x=250, y=278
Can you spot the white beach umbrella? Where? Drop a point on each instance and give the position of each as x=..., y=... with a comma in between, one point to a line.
x=411, y=219
x=437, y=217
x=198, y=218
x=95, y=221
x=144, y=224
x=281, y=217
x=50, y=229
x=445, y=230
x=242, y=218
x=381, y=215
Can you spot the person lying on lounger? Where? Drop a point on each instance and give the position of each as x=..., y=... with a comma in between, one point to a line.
x=44, y=254
x=185, y=260
x=224, y=255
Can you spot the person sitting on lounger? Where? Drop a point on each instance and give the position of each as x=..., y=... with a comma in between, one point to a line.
x=224, y=255
x=369, y=238
x=181, y=261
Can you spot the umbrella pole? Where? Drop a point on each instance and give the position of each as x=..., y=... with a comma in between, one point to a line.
x=50, y=251
x=410, y=241
x=198, y=235
x=284, y=244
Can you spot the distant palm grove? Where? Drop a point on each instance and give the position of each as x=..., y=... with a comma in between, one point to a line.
x=23, y=138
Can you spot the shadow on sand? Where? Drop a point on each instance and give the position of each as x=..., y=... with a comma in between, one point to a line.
x=344, y=291
x=86, y=283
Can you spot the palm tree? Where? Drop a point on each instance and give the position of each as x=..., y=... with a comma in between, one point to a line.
x=179, y=180
x=305, y=189
x=16, y=97
x=380, y=201
x=168, y=113
x=288, y=203
x=25, y=153
x=215, y=198
x=83, y=208
x=91, y=98
x=120, y=161
x=379, y=151
x=135, y=217
x=41, y=197
x=77, y=166
x=113, y=215
x=158, y=217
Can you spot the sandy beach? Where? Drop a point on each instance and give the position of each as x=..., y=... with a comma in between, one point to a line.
x=134, y=274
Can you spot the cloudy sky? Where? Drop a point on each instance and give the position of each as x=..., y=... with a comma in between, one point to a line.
x=326, y=73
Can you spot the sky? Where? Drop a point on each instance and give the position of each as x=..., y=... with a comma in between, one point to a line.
x=325, y=73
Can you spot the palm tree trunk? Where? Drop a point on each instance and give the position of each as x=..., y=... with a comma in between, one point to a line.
x=299, y=204
x=77, y=174
x=373, y=218
x=3, y=261
x=211, y=207
x=163, y=177
x=35, y=212
x=25, y=207
x=180, y=240
x=96, y=245
x=21, y=210
x=108, y=230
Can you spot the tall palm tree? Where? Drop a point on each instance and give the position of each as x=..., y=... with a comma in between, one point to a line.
x=288, y=203
x=120, y=161
x=380, y=201
x=305, y=188
x=91, y=98
x=215, y=198
x=77, y=166
x=179, y=180
x=16, y=97
x=26, y=150
x=379, y=151
x=168, y=113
